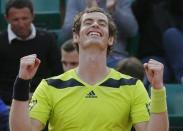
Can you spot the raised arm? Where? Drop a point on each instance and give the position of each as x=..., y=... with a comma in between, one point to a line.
x=158, y=117
x=123, y=17
x=72, y=8
x=19, y=112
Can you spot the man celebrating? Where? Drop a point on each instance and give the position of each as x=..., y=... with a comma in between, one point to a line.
x=91, y=97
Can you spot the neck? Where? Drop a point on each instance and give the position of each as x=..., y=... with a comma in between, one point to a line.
x=92, y=67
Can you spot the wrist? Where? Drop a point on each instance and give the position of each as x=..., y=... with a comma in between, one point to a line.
x=21, y=89
x=111, y=9
x=158, y=100
x=22, y=76
x=158, y=86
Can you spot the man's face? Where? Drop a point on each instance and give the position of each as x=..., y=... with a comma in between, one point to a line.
x=69, y=60
x=20, y=20
x=94, y=31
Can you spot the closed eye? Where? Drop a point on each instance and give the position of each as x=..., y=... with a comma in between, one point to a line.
x=88, y=22
x=102, y=23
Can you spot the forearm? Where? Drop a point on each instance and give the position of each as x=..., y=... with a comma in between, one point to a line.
x=19, y=113
x=158, y=122
x=125, y=19
x=19, y=116
x=158, y=107
x=159, y=116
x=66, y=30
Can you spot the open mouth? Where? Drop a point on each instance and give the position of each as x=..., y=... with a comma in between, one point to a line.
x=94, y=33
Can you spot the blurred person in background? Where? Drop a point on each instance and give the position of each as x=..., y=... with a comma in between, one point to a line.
x=23, y=38
x=131, y=66
x=173, y=40
x=69, y=55
x=155, y=17
x=4, y=115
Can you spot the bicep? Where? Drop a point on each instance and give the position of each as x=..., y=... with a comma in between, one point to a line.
x=36, y=125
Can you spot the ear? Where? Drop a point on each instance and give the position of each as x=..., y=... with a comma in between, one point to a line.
x=111, y=41
x=75, y=37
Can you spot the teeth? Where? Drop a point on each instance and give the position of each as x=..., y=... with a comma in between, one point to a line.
x=94, y=33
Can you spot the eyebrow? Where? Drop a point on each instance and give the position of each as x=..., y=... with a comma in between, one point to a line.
x=100, y=20
x=88, y=19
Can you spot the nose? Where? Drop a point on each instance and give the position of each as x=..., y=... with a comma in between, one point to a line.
x=21, y=23
x=95, y=24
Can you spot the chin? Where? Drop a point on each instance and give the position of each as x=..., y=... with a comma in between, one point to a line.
x=95, y=41
x=23, y=35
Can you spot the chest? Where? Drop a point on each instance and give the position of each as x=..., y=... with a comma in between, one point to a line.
x=99, y=105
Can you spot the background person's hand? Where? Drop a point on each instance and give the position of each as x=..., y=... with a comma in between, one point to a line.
x=111, y=4
x=91, y=3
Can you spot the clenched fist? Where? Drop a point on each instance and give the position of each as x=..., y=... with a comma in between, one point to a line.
x=154, y=71
x=28, y=66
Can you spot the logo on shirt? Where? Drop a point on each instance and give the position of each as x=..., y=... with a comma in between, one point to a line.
x=91, y=94
x=32, y=104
